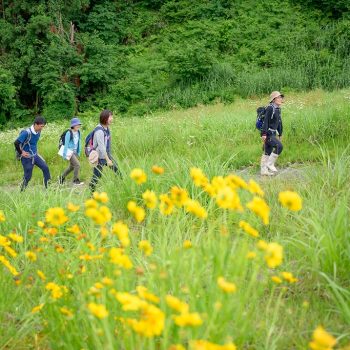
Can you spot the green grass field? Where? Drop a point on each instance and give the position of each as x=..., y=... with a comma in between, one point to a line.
x=257, y=312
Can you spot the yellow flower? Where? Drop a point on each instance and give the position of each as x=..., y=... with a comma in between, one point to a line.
x=150, y=199
x=198, y=177
x=188, y=319
x=145, y=294
x=187, y=244
x=119, y=258
x=122, y=231
x=151, y=322
x=37, y=308
x=138, y=212
x=177, y=347
x=290, y=200
x=146, y=247
x=138, y=175
x=107, y=281
x=276, y=279
x=254, y=188
x=251, y=255
x=31, y=255
x=209, y=188
x=104, y=231
x=176, y=304
x=322, y=340
x=227, y=287
x=56, y=216
x=262, y=245
x=178, y=196
x=98, y=310
x=72, y=207
x=16, y=238
x=194, y=207
x=91, y=246
x=273, y=255
x=158, y=170
x=8, y=265
x=55, y=289
x=51, y=230
x=4, y=241
x=101, y=197
x=228, y=199
x=2, y=216
x=288, y=276
x=100, y=215
x=236, y=181
x=166, y=206
x=206, y=345
x=41, y=275
x=67, y=312
x=248, y=229
x=260, y=208
x=41, y=224
x=130, y=302
x=74, y=229
x=91, y=203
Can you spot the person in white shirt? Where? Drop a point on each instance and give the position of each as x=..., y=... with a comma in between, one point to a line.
x=71, y=152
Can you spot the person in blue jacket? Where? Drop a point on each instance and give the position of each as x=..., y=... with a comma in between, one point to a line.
x=26, y=146
x=72, y=148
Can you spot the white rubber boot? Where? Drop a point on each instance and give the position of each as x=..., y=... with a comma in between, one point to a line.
x=263, y=166
x=271, y=162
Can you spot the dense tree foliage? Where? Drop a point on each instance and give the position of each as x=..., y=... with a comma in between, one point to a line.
x=58, y=57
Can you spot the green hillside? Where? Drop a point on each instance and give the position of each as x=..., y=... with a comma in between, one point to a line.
x=63, y=57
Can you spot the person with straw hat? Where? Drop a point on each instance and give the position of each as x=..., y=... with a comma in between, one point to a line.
x=271, y=134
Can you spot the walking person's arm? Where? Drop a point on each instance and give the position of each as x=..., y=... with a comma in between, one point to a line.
x=20, y=140
x=66, y=142
x=79, y=144
x=265, y=127
x=280, y=129
x=100, y=140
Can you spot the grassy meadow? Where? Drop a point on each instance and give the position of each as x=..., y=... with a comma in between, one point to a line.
x=247, y=272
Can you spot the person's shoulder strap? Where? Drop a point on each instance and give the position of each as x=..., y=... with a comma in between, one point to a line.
x=29, y=135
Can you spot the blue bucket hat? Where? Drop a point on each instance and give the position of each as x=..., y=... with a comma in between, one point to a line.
x=74, y=122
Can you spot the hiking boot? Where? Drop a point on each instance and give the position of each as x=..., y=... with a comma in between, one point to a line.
x=78, y=182
x=271, y=162
x=263, y=166
x=61, y=180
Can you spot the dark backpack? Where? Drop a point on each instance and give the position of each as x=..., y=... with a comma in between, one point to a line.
x=260, y=117
x=89, y=140
x=26, y=141
x=62, y=139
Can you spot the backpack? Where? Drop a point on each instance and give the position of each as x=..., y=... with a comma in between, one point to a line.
x=62, y=139
x=89, y=140
x=260, y=117
x=27, y=140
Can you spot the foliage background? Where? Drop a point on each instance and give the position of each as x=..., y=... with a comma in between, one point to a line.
x=59, y=58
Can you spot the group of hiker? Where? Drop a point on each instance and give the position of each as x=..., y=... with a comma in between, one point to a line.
x=98, y=145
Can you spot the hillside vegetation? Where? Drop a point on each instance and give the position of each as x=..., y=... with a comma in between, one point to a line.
x=61, y=57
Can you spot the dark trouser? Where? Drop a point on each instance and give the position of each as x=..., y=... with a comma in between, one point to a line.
x=28, y=165
x=273, y=144
x=97, y=172
x=73, y=165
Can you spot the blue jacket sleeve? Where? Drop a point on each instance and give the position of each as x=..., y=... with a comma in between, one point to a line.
x=79, y=144
x=22, y=136
x=66, y=142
